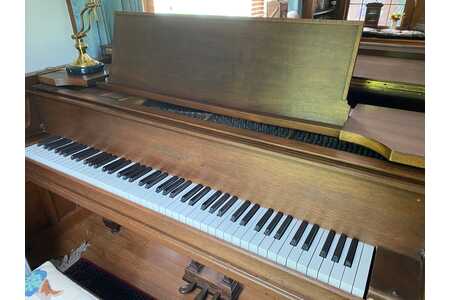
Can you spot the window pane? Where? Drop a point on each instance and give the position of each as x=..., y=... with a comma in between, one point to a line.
x=356, y=1
x=202, y=7
x=355, y=12
x=395, y=9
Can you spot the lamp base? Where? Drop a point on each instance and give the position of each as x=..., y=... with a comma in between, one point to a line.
x=77, y=70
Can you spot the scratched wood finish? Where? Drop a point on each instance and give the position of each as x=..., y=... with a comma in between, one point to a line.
x=379, y=210
x=257, y=65
x=247, y=268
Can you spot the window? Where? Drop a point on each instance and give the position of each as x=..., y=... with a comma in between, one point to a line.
x=357, y=10
x=201, y=7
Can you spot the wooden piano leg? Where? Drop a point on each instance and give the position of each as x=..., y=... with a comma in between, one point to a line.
x=210, y=282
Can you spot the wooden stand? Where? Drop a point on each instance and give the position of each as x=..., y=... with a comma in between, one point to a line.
x=209, y=282
x=61, y=78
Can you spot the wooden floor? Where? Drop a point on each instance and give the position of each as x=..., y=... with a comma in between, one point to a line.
x=147, y=265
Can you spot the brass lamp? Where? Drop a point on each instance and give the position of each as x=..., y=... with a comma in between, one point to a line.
x=84, y=64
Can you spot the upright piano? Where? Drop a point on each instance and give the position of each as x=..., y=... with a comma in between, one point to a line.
x=222, y=139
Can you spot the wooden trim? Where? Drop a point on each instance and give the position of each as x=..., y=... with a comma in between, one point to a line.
x=148, y=6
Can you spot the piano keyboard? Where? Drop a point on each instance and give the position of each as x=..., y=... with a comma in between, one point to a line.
x=318, y=253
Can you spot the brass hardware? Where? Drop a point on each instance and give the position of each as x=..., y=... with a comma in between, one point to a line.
x=84, y=64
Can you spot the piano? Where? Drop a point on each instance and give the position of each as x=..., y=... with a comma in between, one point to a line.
x=242, y=168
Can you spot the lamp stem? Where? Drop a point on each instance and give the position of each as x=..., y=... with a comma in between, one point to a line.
x=72, y=16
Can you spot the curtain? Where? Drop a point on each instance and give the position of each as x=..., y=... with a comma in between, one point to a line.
x=257, y=8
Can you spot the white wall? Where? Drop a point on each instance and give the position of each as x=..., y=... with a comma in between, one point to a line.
x=47, y=35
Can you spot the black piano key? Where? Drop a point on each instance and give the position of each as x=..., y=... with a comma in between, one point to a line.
x=179, y=189
x=128, y=170
x=249, y=215
x=56, y=144
x=199, y=195
x=191, y=193
x=236, y=215
x=219, y=203
x=120, y=164
x=339, y=247
x=133, y=171
x=74, y=150
x=92, y=159
x=310, y=238
x=149, y=177
x=279, y=234
x=299, y=233
x=48, y=140
x=139, y=174
x=105, y=157
x=113, y=165
x=273, y=223
x=226, y=206
x=166, y=183
x=211, y=200
x=351, y=253
x=105, y=161
x=62, y=148
x=154, y=181
x=327, y=245
x=84, y=154
x=264, y=219
x=173, y=186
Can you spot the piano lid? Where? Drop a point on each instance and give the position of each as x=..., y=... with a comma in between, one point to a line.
x=283, y=69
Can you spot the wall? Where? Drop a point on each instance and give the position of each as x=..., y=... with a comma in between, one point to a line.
x=47, y=35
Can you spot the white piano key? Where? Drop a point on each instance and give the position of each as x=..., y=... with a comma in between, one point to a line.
x=327, y=264
x=316, y=260
x=219, y=220
x=297, y=251
x=259, y=236
x=196, y=217
x=263, y=248
x=286, y=248
x=193, y=213
x=277, y=244
x=239, y=234
x=230, y=231
x=209, y=219
x=350, y=273
x=359, y=286
x=305, y=259
x=221, y=229
x=338, y=267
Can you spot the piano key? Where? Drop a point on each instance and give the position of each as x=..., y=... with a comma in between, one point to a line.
x=62, y=148
x=233, y=227
x=299, y=234
x=350, y=271
x=351, y=253
x=286, y=248
x=74, y=150
x=108, y=159
x=338, y=267
x=226, y=224
x=273, y=223
x=283, y=227
x=246, y=232
x=249, y=215
x=187, y=211
x=172, y=186
x=219, y=220
x=259, y=236
x=196, y=217
x=139, y=174
x=199, y=195
x=265, y=245
x=219, y=203
x=48, y=140
x=93, y=159
x=263, y=220
x=362, y=274
x=297, y=250
x=132, y=171
x=340, y=246
x=211, y=200
x=179, y=189
x=327, y=245
x=150, y=177
x=111, y=167
x=310, y=237
x=191, y=192
x=156, y=180
x=128, y=170
x=327, y=263
x=84, y=154
x=227, y=206
x=237, y=214
x=305, y=259
x=167, y=183
x=57, y=143
x=316, y=260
